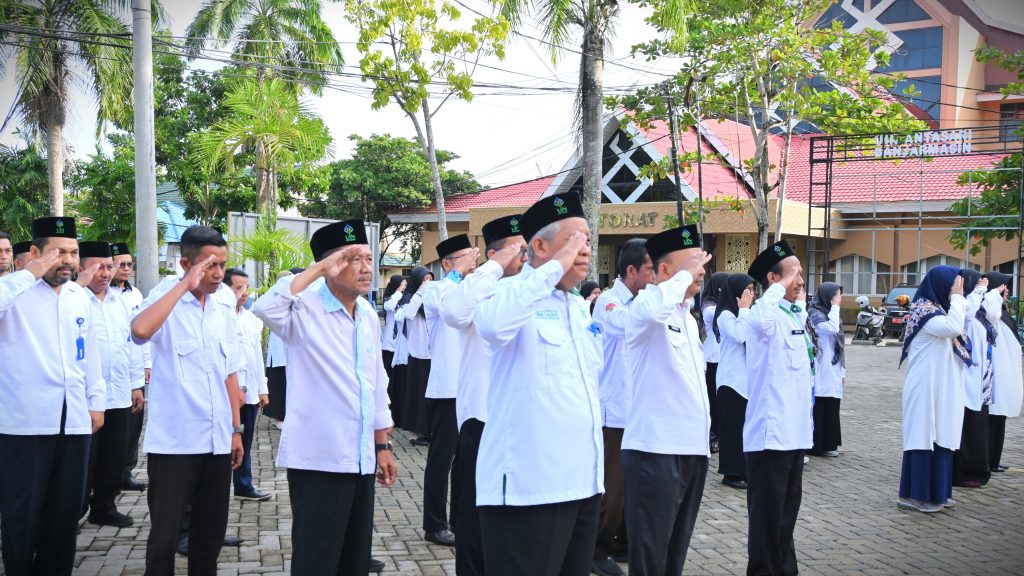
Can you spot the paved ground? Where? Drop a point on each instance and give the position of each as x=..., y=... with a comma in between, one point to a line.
x=848, y=524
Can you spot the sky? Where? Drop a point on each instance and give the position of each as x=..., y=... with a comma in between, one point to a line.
x=501, y=138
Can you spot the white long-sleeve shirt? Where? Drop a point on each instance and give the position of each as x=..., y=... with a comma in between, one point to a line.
x=828, y=377
x=123, y=361
x=712, y=348
x=457, y=310
x=612, y=311
x=415, y=325
x=445, y=342
x=253, y=377
x=337, y=385
x=543, y=440
x=387, y=335
x=732, y=363
x=981, y=352
x=1007, y=381
x=779, y=375
x=669, y=411
x=45, y=363
x=193, y=353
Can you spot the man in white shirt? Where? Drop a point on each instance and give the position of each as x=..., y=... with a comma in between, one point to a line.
x=458, y=258
x=336, y=436
x=251, y=380
x=778, y=425
x=193, y=435
x=665, y=447
x=53, y=400
x=123, y=267
x=21, y=252
x=540, y=467
x=506, y=254
x=611, y=311
x=123, y=371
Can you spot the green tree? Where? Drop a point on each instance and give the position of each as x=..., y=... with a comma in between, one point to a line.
x=52, y=43
x=104, y=192
x=24, y=193
x=385, y=174
x=594, y=20
x=761, y=64
x=270, y=119
x=414, y=49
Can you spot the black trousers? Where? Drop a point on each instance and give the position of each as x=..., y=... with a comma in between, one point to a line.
x=970, y=462
x=107, y=457
x=332, y=522
x=242, y=477
x=42, y=488
x=826, y=425
x=732, y=413
x=996, y=436
x=544, y=540
x=396, y=394
x=200, y=483
x=444, y=441
x=277, y=386
x=415, y=414
x=613, y=501
x=775, y=487
x=135, y=422
x=663, y=494
x=469, y=549
x=711, y=381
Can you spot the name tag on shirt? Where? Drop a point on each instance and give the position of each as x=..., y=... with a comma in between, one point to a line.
x=547, y=315
x=797, y=332
x=674, y=328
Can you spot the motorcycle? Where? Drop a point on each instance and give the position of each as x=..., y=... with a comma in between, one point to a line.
x=870, y=322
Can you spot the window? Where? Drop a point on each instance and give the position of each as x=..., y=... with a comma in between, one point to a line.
x=915, y=271
x=836, y=12
x=860, y=275
x=922, y=48
x=903, y=11
x=1011, y=116
x=930, y=89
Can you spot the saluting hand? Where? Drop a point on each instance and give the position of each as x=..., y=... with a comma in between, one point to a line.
x=506, y=255
x=387, y=470
x=337, y=263
x=747, y=299
x=958, y=286
x=571, y=250
x=982, y=283
x=463, y=264
x=194, y=277
x=790, y=277
x=85, y=276
x=837, y=298
x=695, y=265
x=44, y=263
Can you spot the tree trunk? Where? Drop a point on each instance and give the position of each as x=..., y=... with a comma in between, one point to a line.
x=761, y=215
x=55, y=165
x=264, y=203
x=435, y=173
x=591, y=102
x=784, y=165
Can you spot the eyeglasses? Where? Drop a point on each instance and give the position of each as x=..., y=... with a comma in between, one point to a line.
x=126, y=265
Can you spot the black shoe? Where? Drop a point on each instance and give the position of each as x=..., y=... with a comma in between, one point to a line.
x=605, y=567
x=420, y=441
x=442, y=537
x=736, y=483
x=183, y=545
x=113, y=518
x=254, y=495
x=134, y=485
x=376, y=566
x=1000, y=468
x=233, y=541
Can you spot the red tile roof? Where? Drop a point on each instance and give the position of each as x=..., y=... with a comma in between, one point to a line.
x=518, y=194
x=718, y=178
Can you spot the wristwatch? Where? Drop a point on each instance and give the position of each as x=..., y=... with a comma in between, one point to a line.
x=240, y=429
x=385, y=446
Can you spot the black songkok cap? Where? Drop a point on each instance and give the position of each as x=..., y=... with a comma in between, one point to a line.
x=337, y=235
x=94, y=250
x=22, y=247
x=548, y=210
x=673, y=239
x=769, y=258
x=119, y=249
x=54, y=227
x=452, y=245
x=502, y=228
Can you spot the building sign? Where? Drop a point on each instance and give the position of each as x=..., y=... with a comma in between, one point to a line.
x=926, y=144
x=631, y=220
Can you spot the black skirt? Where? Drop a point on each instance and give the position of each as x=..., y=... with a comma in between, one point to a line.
x=277, y=389
x=826, y=425
x=414, y=411
x=970, y=462
x=396, y=390
x=710, y=376
x=732, y=413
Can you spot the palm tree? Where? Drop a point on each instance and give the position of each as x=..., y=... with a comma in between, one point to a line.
x=594, y=20
x=271, y=120
x=23, y=190
x=51, y=41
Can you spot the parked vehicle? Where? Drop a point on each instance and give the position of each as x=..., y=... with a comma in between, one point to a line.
x=869, y=322
x=895, y=306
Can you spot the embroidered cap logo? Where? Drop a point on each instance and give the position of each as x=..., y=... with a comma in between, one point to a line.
x=514, y=225
x=560, y=207
x=780, y=251
x=687, y=241
x=115, y=250
x=59, y=224
x=349, y=233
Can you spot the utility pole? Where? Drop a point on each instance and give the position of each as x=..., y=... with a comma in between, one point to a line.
x=700, y=162
x=146, y=271
x=675, y=156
